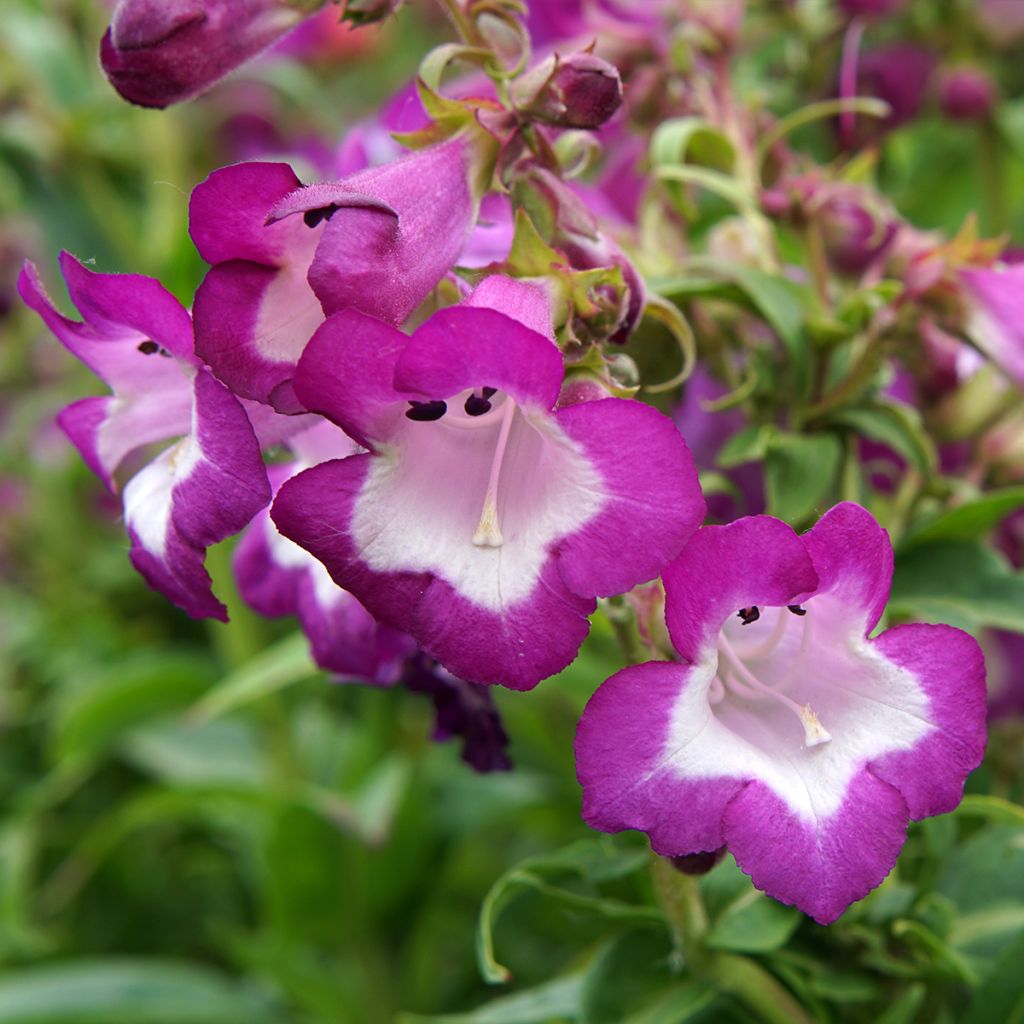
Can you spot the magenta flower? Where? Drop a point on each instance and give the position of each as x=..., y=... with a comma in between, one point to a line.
x=966, y=93
x=159, y=52
x=483, y=520
x=995, y=323
x=784, y=732
x=276, y=577
x=207, y=485
x=285, y=255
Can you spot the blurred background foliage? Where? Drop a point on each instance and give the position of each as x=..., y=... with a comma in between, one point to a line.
x=196, y=828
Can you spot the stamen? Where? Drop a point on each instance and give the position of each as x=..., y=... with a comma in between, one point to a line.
x=426, y=412
x=313, y=217
x=149, y=347
x=796, y=609
x=749, y=615
x=488, y=530
x=743, y=679
x=476, y=406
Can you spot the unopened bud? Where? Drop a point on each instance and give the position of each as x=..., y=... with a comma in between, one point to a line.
x=578, y=91
x=854, y=234
x=159, y=52
x=966, y=94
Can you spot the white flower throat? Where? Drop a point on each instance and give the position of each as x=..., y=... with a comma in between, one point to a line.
x=739, y=664
x=478, y=413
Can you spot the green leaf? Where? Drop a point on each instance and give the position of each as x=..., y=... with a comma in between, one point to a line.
x=747, y=445
x=125, y=992
x=971, y=520
x=1001, y=998
x=539, y=1005
x=800, y=471
x=904, y=1010
x=682, y=140
x=591, y=861
x=139, y=689
x=284, y=664
x=685, y=1002
x=895, y=425
x=753, y=924
x=626, y=973
x=961, y=583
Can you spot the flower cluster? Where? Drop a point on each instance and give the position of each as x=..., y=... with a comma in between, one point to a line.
x=415, y=388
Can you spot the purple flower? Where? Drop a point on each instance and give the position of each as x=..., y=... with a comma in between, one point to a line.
x=995, y=300
x=784, y=732
x=462, y=709
x=158, y=52
x=207, y=485
x=899, y=74
x=285, y=255
x=276, y=577
x=483, y=520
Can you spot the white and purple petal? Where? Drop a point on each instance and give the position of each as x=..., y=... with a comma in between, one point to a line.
x=786, y=733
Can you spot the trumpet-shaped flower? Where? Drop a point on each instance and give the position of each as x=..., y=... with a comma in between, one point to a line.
x=276, y=577
x=785, y=732
x=211, y=481
x=483, y=520
x=285, y=255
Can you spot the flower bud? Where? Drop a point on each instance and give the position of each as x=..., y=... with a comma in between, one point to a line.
x=966, y=94
x=854, y=234
x=578, y=91
x=158, y=52
x=1000, y=21
x=369, y=12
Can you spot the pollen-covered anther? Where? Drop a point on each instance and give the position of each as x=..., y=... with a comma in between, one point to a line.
x=749, y=615
x=815, y=734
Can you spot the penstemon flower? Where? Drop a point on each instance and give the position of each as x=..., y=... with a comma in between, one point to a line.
x=276, y=577
x=784, y=732
x=483, y=520
x=207, y=485
x=286, y=255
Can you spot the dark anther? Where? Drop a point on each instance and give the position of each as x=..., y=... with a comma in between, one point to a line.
x=796, y=609
x=749, y=615
x=489, y=392
x=165, y=353
x=149, y=347
x=313, y=217
x=477, y=406
x=425, y=412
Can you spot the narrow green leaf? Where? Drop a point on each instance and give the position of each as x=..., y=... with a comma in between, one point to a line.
x=553, y=1000
x=125, y=992
x=971, y=520
x=284, y=664
x=895, y=425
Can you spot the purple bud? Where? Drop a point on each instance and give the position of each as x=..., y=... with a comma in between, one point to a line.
x=697, y=863
x=578, y=91
x=854, y=235
x=870, y=8
x=966, y=94
x=158, y=52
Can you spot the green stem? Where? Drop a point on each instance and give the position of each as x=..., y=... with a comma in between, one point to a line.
x=681, y=902
x=994, y=200
x=463, y=25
